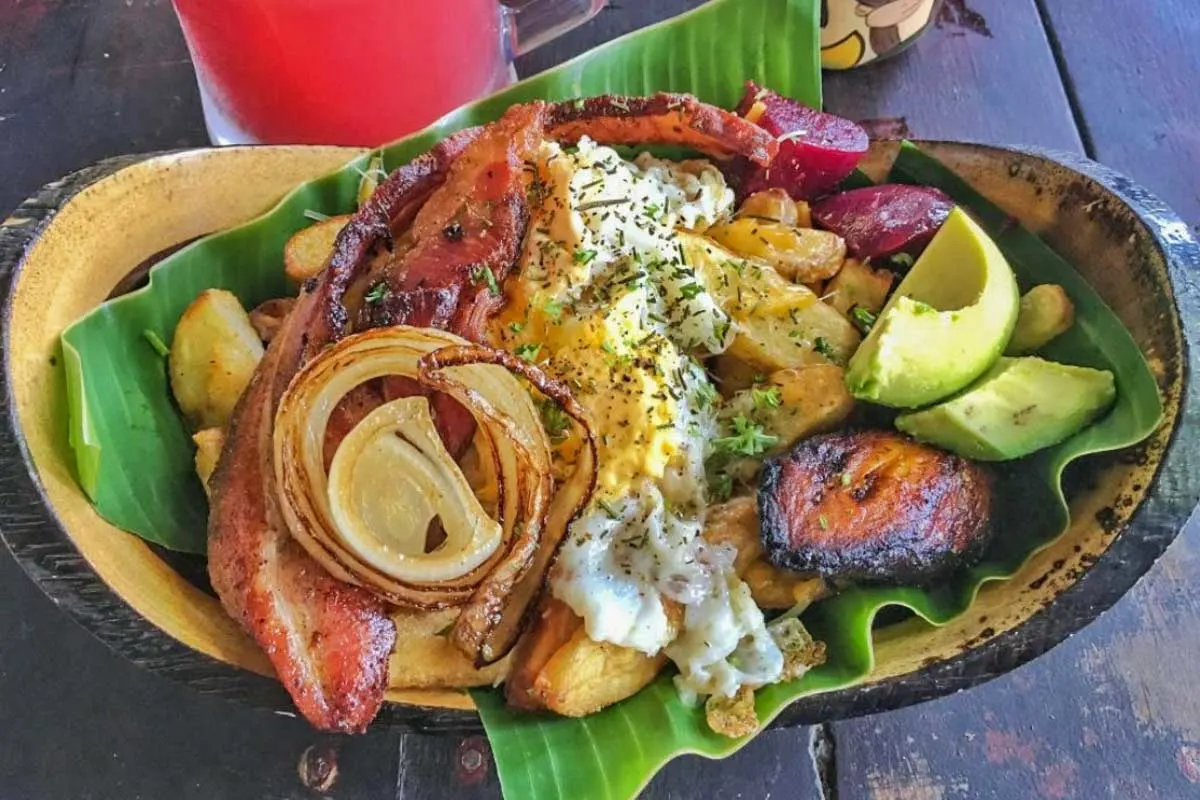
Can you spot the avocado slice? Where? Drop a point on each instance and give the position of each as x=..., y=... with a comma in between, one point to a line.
x=948, y=321
x=1021, y=405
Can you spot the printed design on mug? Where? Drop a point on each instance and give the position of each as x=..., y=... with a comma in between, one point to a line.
x=856, y=32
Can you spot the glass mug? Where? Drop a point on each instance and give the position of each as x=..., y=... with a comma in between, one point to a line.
x=356, y=72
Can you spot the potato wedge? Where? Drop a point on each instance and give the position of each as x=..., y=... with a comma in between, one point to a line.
x=859, y=284
x=557, y=667
x=803, y=255
x=777, y=205
x=1046, y=312
x=795, y=403
x=213, y=356
x=306, y=253
x=778, y=324
x=733, y=375
x=735, y=523
x=208, y=451
x=425, y=658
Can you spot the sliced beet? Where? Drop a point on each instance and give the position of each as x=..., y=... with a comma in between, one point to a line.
x=881, y=221
x=816, y=154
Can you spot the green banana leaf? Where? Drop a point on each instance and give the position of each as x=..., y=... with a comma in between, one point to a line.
x=135, y=460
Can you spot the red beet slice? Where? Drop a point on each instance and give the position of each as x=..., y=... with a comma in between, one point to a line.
x=816, y=154
x=881, y=221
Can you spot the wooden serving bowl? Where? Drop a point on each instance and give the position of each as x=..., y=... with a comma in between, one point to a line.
x=63, y=251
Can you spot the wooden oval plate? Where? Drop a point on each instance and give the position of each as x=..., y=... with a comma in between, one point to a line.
x=64, y=249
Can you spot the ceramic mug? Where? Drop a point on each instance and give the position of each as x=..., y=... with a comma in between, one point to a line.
x=857, y=32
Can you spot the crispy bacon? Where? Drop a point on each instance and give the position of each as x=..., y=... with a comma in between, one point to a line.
x=328, y=641
x=661, y=119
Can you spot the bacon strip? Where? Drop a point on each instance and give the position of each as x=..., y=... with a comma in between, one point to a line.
x=661, y=119
x=328, y=641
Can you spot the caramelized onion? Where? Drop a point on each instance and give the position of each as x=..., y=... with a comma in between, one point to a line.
x=391, y=477
x=491, y=624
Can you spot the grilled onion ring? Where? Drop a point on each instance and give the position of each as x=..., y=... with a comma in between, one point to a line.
x=343, y=518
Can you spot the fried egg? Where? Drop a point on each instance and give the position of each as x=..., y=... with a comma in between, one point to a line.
x=606, y=300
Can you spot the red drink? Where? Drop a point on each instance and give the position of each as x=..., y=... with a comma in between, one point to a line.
x=354, y=72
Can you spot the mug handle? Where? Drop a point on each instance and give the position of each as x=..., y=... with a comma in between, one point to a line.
x=532, y=23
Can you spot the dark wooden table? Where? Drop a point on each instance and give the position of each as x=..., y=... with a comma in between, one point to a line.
x=1113, y=712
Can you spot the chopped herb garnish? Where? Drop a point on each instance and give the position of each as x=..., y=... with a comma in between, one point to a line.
x=378, y=292
x=483, y=274
x=824, y=348
x=901, y=260
x=721, y=329
x=156, y=342
x=769, y=397
x=824, y=522
x=583, y=256
x=863, y=317
x=923, y=308
x=553, y=309
x=516, y=327
x=315, y=216
x=554, y=419
x=594, y=204
x=690, y=290
x=706, y=395
x=720, y=486
x=528, y=352
x=846, y=479
x=609, y=511
x=748, y=439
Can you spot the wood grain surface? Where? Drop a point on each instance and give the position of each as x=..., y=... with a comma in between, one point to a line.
x=1108, y=714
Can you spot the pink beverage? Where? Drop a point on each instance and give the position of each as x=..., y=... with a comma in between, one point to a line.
x=355, y=72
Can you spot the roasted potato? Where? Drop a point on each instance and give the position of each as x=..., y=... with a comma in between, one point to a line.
x=425, y=658
x=802, y=255
x=733, y=375
x=307, y=252
x=557, y=667
x=213, y=356
x=267, y=317
x=208, y=450
x=1046, y=312
x=858, y=284
x=874, y=505
x=732, y=716
x=795, y=403
x=777, y=323
x=736, y=523
x=777, y=205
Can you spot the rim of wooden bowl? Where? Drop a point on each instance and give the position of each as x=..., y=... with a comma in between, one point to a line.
x=1139, y=503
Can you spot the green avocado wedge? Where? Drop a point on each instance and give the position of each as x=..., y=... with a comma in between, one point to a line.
x=1020, y=406
x=948, y=321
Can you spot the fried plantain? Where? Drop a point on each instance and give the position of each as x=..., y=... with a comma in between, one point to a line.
x=873, y=505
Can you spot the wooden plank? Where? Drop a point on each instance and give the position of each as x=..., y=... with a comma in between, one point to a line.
x=81, y=81
x=974, y=76
x=1133, y=70
x=81, y=722
x=1112, y=712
